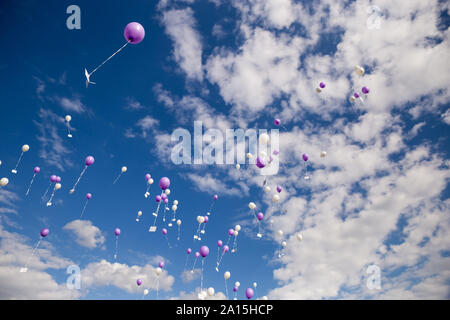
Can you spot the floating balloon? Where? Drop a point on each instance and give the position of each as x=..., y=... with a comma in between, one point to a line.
x=179, y=228
x=164, y=183
x=25, y=148
x=249, y=155
x=259, y=217
x=323, y=154
x=275, y=198
x=43, y=233
x=88, y=197
x=211, y=291
x=238, y=166
x=277, y=122
x=197, y=254
x=117, y=233
x=139, y=214
x=88, y=162
x=264, y=139
x=260, y=163
x=57, y=187
x=149, y=180
x=299, y=237
x=359, y=70
x=279, y=189
x=266, y=188
x=305, y=158
x=36, y=171
x=122, y=171
x=68, y=119
x=365, y=90
x=204, y=252
x=138, y=282
x=249, y=293
x=188, y=251
x=226, y=276
x=3, y=182
x=321, y=86
x=134, y=33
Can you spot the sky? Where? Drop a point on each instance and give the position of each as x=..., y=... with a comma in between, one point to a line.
x=379, y=200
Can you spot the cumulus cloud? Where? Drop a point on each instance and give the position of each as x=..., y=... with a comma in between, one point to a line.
x=180, y=26
x=87, y=235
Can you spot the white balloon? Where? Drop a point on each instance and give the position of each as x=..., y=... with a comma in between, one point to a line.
x=323, y=154
x=267, y=189
x=68, y=118
x=211, y=291
x=352, y=99
x=174, y=207
x=318, y=90
x=124, y=169
x=238, y=166
x=280, y=232
x=237, y=228
x=150, y=181
x=252, y=205
x=249, y=155
x=3, y=182
x=175, y=202
x=237, y=284
x=25, y=148
x=264, y=138
x=236, y=233
x=299, y=237
x=145, y=292
x=264, y=298
x=262, y=154
x=275, y=198
x=254, y=284
x=0, y=162
x=167, y=192
x=139, y=213
x=359, y=70
x=178, y=222
x=202, y=219
x=227, y=275
x=158, y=271
x=57, y=186
x=284, y=243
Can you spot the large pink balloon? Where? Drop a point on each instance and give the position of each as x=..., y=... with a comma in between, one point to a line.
x=134, y=32
x=164, y=183
x=204, y=251
x=89, y=160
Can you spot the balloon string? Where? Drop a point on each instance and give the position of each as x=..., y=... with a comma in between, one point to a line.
x=168, y=244
x=29, y=187
x=84, y=208
x=157, y=210
x=226, y=288
x=217, y=260
x=46, y=191
x=79, y=178
x=117, y=178
x=157, y=287
x=117, y=240
x=32, y=254
x=109, y=58
x=201, y=279
x=179, y=232
x=49, y=203
x=194, y=264
x=18, y=161
x=68, y=129
x=185, y=264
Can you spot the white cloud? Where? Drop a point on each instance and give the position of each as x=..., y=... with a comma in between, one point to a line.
x=180, y=26
x=190, y=275
x=71, y=105
x=123, y=276
x=194, y=295
x=87, y=235
x=53, y=149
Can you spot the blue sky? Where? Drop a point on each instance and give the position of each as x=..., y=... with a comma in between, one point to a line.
x=380, y=196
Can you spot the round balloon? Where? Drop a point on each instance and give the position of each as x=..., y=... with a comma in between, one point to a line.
x=249, y=293
x=139, y=282
x=204, y=251
x=164, y=183
x=134, y=32
x=89, y=160
x=37, y=169
x=45, y=232
x=116, y=231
